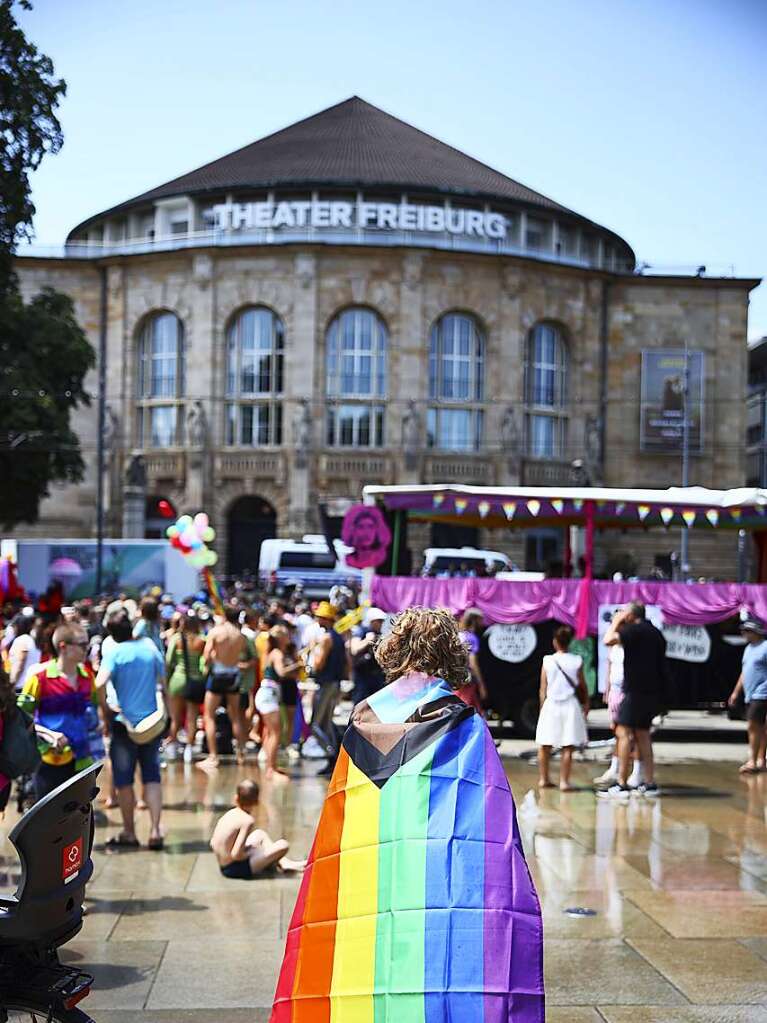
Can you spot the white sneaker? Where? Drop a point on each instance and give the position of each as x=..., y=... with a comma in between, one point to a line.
x=188, y=753
x=293, y=753
x=615, y=792
x=608, y=778
x=171, y=750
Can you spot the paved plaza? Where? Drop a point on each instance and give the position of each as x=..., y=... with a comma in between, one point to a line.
x=678, y=886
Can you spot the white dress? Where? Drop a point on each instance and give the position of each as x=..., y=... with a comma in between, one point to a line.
x=561, y=721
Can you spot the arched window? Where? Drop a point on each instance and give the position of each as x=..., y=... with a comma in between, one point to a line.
x=546, y=392
x=456, y=376
x=356, y=347
x=255, y=347
x=160, y=381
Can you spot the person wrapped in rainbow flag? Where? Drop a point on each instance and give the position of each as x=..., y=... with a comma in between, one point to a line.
x=417, y=905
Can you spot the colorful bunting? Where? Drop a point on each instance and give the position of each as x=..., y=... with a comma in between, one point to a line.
x=620, y=508
x=557, y=505
x=578, y=504
x=643, y=510
x=667, y=515
x=437, y=500
x=483, y=508
x=533, y=507
x=735, y=513
x=713, y=516
x=689, y=517
x=460, y=505
x=509, y=508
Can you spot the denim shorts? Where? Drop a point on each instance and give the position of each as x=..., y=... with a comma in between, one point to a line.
x=125, y=754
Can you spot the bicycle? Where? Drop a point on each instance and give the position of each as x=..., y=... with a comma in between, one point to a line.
x=54, y=841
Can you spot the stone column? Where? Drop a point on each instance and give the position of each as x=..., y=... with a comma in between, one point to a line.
x=407, y=381
x=202, y=412
x=505, y=424
x=303, y=405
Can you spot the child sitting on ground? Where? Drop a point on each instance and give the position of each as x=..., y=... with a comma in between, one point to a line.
x=244, y=851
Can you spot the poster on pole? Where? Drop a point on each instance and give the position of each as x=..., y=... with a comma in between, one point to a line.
x=661, y=426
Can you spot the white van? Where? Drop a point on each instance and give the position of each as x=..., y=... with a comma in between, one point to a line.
x=283, y=564
x=442, y=560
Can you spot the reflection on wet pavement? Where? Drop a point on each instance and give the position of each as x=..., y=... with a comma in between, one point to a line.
x=678, y=885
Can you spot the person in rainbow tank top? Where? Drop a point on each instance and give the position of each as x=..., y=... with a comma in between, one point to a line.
x=59, y=696
x=417, y=905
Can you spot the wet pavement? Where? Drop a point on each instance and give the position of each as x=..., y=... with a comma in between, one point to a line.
x=678, y=886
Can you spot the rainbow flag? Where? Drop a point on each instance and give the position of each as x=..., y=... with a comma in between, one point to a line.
x=417, y=905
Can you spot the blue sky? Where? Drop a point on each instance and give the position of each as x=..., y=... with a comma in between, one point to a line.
x=646, y=117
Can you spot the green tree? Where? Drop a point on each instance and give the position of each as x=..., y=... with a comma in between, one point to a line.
x=44, y=357
x=29, y=128
x=44, y=354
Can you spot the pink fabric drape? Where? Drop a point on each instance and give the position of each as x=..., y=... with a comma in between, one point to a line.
x=560, y=599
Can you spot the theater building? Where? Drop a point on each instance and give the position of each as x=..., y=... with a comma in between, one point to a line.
x=352, y=301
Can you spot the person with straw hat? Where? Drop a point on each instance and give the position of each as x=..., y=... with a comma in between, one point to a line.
x=329, y=663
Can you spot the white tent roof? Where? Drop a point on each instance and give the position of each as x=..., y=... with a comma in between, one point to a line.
x=741, y=497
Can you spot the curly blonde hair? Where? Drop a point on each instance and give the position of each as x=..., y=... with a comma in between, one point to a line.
x=424, y=639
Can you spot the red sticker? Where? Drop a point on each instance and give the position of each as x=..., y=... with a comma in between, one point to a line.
x=72, y=859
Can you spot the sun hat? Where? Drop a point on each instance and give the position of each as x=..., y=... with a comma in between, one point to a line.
x=375, y=614
x=325, y=610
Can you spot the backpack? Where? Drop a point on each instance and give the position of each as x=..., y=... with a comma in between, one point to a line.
x=18, y=748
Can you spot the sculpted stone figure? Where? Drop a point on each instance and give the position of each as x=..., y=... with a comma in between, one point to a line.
x=135, y=475
x=510, y=440
x=110, y=434
x=411, y=435
x=196, y=426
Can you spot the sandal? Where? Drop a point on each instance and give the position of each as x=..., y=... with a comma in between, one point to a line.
x=156, y=843
x=121, y=841
x=748, y=768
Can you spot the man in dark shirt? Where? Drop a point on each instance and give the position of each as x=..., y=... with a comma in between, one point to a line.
x=644, y=674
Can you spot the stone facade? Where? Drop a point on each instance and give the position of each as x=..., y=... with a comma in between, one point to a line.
x=307, y=285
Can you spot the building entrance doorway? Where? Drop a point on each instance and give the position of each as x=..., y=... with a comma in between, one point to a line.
x=250, y=520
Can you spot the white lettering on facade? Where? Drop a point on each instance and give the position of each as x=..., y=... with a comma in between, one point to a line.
x=379, y=216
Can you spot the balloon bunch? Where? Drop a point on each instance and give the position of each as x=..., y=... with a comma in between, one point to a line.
x=190, y=537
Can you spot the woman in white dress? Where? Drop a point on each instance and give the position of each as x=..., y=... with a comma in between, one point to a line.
x=564, y=705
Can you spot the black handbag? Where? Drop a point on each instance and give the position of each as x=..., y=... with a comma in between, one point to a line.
x=18, y=750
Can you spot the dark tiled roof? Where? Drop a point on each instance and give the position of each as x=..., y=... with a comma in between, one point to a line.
x=350, y=144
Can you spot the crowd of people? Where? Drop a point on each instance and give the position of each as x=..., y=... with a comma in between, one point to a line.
x=133, y=683
x=149, y=681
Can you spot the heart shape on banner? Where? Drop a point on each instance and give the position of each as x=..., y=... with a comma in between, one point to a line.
x=533, y=507
x=557, y=505
x=483, y=508
x=713, y=516
x=509, y=508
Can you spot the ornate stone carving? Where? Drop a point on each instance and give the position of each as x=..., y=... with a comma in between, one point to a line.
x=135, y=473
x=202, y=270
x=412, y=266
x=305, y=269
x=511, y=441
x=196, y=426
x=411, y=435
x=111, y=427
x=592, y=446
x=302, y=433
